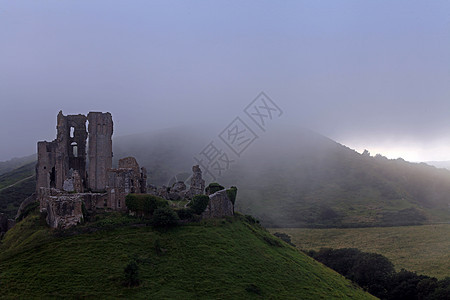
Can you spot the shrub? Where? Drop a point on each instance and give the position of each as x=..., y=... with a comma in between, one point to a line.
x=285, y=237
x=185, y=213
x=164, y=217
x=272, y=242
x=213, y=187
x=144, y=204
x=251, y=219
x=199, y=203
x=131, y=274
x=231, y=193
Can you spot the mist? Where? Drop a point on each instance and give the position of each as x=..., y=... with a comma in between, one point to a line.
x=368, y=75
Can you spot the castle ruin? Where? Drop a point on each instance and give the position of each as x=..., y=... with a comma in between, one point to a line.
x=68, y=177
x=71, y=181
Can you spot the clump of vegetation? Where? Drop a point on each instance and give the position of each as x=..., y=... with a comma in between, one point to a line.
x=164, y=217
x=231, y=193
x=131, y=274
x=376, y=274
x=251, y=219
x=199, y=203
x=144, y=204
x=253, y=288
x=271, y=241
x=185, y=213
x=285, y=237
x=213, y=187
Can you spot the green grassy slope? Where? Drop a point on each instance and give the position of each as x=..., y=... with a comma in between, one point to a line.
x=223, y=258
x=423, y=249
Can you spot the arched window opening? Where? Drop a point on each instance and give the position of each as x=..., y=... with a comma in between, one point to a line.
x=72, y=131
x=74, y=149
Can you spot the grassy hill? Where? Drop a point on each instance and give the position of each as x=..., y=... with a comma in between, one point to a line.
x=224, y=258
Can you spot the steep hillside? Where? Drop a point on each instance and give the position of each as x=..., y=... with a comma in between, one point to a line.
x=224, y=258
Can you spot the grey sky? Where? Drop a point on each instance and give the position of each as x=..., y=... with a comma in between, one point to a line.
x=369, y=74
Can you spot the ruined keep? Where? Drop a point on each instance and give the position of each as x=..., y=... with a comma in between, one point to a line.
x=68, y=177
x=62, y=162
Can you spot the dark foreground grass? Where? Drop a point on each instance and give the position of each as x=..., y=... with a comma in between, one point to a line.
x=218, y=259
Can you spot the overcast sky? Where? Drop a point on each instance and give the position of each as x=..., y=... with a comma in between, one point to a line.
x=369, y=74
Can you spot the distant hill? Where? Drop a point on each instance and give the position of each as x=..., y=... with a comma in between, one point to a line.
x=439, y=164
x=14, y=163
x=16, y=186
x=229, y=258
x=293, y=177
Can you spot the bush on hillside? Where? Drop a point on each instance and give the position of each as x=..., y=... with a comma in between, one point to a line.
x=185, y=213
x=231, y=193
x=144, y=204
x=285, y=237
x=131, y=274
x=199, y=203
x=164, y=217
x=213, y=187
x=376, y=274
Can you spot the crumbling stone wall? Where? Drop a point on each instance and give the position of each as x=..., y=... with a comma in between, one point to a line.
x=220, y=205
x=59, y=158
x=64, y=209
x=128, y=178
x=197, y=183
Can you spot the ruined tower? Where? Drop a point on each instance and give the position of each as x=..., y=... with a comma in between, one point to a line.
x=100, y=149
x=57, y=160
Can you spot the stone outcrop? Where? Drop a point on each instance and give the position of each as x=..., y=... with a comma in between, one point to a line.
x=220, y=205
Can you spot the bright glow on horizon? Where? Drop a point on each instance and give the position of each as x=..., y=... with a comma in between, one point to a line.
x=436, y=151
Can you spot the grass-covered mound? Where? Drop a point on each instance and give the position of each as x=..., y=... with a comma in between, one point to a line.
x=231, y=258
